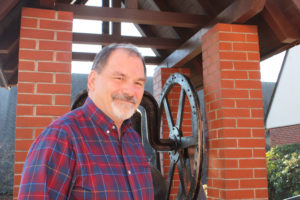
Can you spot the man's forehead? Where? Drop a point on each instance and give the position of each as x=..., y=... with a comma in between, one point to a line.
x=116, y=63
x=124, y=52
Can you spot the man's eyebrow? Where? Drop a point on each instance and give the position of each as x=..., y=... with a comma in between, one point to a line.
x=118, y=74
x=122, y=74
x=142, y=79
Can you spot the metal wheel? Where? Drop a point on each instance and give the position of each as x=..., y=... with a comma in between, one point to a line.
x=187, y=153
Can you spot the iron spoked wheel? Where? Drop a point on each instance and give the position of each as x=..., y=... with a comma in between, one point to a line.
x=187, y=155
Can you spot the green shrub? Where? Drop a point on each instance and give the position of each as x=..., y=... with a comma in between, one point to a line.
x=283, y=165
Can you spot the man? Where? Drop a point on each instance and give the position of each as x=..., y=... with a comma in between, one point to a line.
x=92, y=152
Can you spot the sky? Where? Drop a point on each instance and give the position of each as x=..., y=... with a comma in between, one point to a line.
x=269, y=68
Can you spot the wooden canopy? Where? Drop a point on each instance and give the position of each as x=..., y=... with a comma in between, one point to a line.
x=172, y=28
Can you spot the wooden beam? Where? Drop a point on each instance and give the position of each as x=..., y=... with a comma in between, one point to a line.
x=151, y=42
x=47, y=3
x=9, y=70
x=2, y=78
x=11, y=76
x=208, y=7
x=116, y=26
x=135, y=16
x=105, y=25
x=76, y=56
x=8, y=47
x=279, y=23
x=183, y=33
x=296, y=4
x=147, y=32
x=6, y=6
x=133, y=4
x=238, y=12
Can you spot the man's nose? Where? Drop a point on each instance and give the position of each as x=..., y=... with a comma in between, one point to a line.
x=130, y=88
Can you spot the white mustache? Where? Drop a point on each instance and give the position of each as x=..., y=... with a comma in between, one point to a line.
x=124, y=97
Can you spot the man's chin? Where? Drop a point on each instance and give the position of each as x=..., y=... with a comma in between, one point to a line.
x=123, y=113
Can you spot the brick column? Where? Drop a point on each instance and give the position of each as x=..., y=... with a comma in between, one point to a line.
x=159, y=79
x=44, y=78
x=234, y=111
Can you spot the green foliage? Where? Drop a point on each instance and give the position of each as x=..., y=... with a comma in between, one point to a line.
x=283, y=165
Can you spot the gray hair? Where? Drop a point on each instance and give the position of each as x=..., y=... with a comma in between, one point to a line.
x=102, y=57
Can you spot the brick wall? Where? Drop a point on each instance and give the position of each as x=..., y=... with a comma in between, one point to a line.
x=44, y=77
x=285, y=135
x=234, y=112
x=159, y=79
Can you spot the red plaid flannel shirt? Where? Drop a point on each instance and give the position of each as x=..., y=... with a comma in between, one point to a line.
x=79, y=156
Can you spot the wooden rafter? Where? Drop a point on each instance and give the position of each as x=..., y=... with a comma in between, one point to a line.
x=6, y=6
x=296, y=3
x=181, y=32
x=116, y=26
x=105, y=25
x=151, y=42
x=162, y=5
x=90, y=57
x=147, y=32
x=135, y=16
x=238, y=12
x=47, y=3
x=2, y=78
x=11, y=76
x=133, y=4
x=8, y=49
x=279, y=23
x=208, y=7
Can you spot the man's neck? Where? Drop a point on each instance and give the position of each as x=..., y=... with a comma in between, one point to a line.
x=119, y=124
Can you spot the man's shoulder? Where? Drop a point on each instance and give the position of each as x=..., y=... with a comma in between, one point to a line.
x=69, y=118
x=60, y=129
x=66, y=123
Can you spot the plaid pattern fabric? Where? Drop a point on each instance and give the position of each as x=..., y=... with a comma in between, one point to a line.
x=79, y=156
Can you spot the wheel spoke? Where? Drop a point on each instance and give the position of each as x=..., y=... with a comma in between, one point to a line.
x=189, y=141
x=170, y=176
x=188, y=168
x=180, y=194
x=180, y=109
x=168, y=114
x=182, y=176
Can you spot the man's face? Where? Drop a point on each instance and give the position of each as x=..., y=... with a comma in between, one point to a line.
x=119, y=88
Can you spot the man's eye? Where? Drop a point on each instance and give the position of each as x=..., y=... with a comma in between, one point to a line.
x=119, y=78
x=139, y=83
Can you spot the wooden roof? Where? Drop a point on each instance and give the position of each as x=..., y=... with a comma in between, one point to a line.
x=171, y=27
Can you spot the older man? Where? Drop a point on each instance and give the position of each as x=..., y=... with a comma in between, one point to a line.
x=93, y=152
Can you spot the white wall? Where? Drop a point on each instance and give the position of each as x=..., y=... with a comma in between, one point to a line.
x=285, y=108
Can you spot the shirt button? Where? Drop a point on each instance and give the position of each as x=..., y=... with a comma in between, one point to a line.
x=114, y=127
x=107, y=132
x=129, y=172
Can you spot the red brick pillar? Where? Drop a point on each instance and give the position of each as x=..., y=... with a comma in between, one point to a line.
x=44, y=78
x=234, y=111
x=159, y=80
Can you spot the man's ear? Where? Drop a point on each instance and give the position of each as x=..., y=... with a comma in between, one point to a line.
x=91, y=80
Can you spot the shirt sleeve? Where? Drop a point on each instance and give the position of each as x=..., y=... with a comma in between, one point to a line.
x=49, y=166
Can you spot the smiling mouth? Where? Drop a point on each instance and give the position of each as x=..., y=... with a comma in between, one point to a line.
x=125, y=101
x=124, y=98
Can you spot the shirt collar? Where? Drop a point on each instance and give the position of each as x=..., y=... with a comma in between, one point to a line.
x=100, y=118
